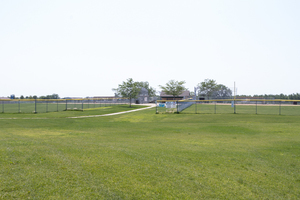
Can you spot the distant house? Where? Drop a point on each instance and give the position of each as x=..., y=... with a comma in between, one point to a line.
x=184, y=95
x=143, y=96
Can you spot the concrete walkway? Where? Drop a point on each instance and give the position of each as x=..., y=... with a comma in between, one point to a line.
x=110, y=114
x=118, y=113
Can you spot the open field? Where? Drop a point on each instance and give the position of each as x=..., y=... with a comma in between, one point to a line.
x=143, y=155
x=222, y=108
x=51, y=105
x=70, y=113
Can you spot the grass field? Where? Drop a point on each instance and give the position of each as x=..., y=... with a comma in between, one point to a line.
x=211, y=108
x=71, y=113
x=51, y=106
x=143, y=155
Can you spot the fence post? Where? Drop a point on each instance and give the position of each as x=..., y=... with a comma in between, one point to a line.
x=256, y=107
x=215, y=107
x=156, y=106
x=279, y=107
x=82, y=105
x=46, y=106
x=57, y=105
x=2, y=106
x=66, y=104
x=234, y=106
x=19, y=107
x=177, y=106
x=196, y=107
x=35, y=106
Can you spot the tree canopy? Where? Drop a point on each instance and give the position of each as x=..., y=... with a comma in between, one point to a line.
x=130, y=89
x=207, y=87
x=52, y=96
x=221, y=91
x=210, y=88
x=294, y=96
x=173, y=88
x=151, y=90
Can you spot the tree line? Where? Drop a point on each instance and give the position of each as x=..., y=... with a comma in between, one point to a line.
x=131, y=89
x=294, y=96
x=208, y=89
x=52, y=96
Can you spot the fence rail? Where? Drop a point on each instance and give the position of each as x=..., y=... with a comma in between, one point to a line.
x=55, y=105
x=246, y=106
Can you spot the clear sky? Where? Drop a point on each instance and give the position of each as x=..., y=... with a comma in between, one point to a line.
x=86, y=48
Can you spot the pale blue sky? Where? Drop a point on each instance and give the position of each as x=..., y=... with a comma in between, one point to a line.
x=86, y=48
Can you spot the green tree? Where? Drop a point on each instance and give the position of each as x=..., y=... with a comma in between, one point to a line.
x=151, y=90
x=52, y=96
x=173, y=88
x=210, y=88
x=221, y=91
x=207, y=87
x=21, y=97
x=128, y=89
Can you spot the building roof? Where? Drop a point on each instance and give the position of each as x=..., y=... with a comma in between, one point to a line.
x=183, y=94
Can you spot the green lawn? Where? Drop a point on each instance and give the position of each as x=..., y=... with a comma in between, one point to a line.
x=74, y=113
x=266, y=109
x=143, y=155
x=51, y=106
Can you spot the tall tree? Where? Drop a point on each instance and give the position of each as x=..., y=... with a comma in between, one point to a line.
x=207, y=87
x=128, y=89
x=151, y=90
x=221, y=91
x=210, y=88
x=173, y=88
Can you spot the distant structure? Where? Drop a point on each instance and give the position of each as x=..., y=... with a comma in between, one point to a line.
x=184, y=95
x=143, y=96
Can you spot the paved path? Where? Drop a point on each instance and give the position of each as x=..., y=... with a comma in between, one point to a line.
x=110, y=114
x=118, y=113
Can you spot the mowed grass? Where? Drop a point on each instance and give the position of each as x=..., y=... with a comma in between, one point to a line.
x=51, y=106
x=265, y=109
x=143, y=155
x=74, y=113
